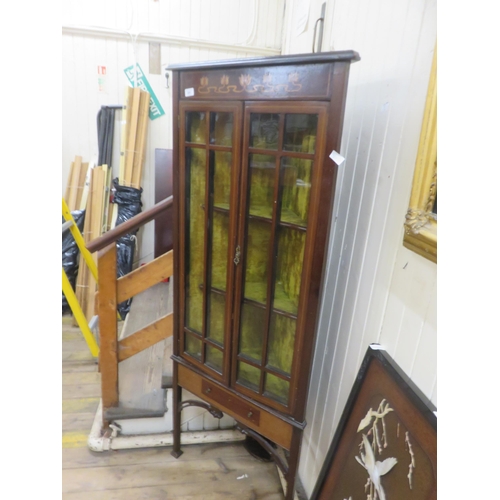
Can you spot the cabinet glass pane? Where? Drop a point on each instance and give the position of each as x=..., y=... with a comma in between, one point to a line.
x=249, y=376
x=252, y=327
x=257, y=260
x=195, y=202
x=214, y=358
x=221, y=129
x=281, y=342
x=220, y=234
x=222, y=179
x=264, y=130
x=261, y=178
x=193, y=346
x=296, y=190
x=216, y=313
x=196, y=127
x=291, y=246
x=300, y=133
x=276, y=388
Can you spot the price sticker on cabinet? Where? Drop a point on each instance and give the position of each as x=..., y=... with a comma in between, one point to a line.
x=189, y=92
x=338, y=159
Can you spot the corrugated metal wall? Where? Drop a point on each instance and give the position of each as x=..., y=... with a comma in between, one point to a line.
x=375, y=289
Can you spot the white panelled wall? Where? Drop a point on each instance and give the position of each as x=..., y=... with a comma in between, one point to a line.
x=375, y=290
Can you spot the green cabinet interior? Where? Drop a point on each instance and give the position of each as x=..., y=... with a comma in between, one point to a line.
x=276, y=193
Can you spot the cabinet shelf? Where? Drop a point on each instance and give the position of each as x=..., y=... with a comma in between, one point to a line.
x=215, y=289
x=289, y=218
x=255, y=294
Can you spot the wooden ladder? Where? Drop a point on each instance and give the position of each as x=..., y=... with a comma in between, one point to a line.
x=111, y=292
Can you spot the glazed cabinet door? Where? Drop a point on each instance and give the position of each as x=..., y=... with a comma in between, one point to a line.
x=282, y=153
x=209, y=156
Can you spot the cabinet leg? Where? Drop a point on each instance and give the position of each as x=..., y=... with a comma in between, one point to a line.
x=293, y=462
x=176, y=417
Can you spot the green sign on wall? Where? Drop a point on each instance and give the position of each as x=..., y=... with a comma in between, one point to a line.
x=137, y=78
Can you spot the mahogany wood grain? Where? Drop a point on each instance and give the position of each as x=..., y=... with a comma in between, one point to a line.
x=269, y=425
x=164, y=230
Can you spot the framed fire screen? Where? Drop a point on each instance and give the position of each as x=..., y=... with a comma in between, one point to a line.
x=385, y=446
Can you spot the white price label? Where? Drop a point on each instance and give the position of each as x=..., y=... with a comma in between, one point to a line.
x=338, y=159
x=189, y=92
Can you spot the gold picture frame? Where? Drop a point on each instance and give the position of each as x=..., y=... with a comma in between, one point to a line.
x=421, y=219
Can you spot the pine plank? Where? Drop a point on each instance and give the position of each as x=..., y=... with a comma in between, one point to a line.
x=86, y=187
x=145, y=277
x=69, y=182
x=96, y=217
x=146, y=337
x=81, y=184
x=75, y=176
x=108, y=326
x=126, y=117
x=132, y=134
x=140, y=143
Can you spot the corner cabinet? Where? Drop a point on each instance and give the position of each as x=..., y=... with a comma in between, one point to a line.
x=253, y=194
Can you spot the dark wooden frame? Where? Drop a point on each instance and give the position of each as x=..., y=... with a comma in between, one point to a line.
x=381, y=378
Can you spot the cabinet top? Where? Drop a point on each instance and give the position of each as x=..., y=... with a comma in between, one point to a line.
x=319, y=57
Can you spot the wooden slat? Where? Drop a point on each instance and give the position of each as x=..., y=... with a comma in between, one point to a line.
x=107, y=205
x=126, y=114
x=132, y=133
x=86, y=187
x=72, y=190
x=69, y=182
x=140, y=143
x=107, y=326
x=95, y=213
x=83, y=271
x=148, y=336
x=81, y=184
x=144, y=277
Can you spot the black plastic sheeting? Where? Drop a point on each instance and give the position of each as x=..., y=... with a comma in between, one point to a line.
x=71, y=254
x=129, y=204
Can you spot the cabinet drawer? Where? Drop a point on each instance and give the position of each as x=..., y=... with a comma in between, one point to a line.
x=257, y=419
x=241, y=408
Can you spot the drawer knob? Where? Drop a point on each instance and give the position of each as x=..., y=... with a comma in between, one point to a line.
x=208, y=390
x=249, y=414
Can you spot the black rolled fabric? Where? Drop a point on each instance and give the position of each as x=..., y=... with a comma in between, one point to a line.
x=71, y=254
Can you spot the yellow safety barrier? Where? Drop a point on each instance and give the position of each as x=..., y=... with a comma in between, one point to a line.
x=67, y=288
